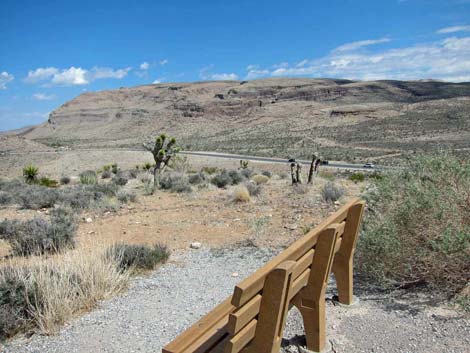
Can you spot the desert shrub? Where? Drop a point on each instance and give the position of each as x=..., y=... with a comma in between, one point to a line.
x=107, y=168
x=197, y=178
x=45, y=294
x=300, y=189
x=50, y=183
x=209, y=170
x=241, y=194
x=145, y=178
x=125, y=197
x=88, y=177
x=38, y=236
x=132, y=173
x=30, y=174
x=147, y=166
x=114, y=168
x=65, y=180
x=332, y=192
x=106, y=174
x=175, y=182
x=417, y=228
x=283, y=175
x=260, y=179
x=357, y=177
x=37, y=197
x=179, y=164
x=247, y=173
x=253, y=188
x=267, y=173
x=120, y=179
x=222, y=179
x=5, y=198
x=138, y=257
x=236, y=177
x=376, y=175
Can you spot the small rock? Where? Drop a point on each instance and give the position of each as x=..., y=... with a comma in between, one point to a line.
x=89, y=220
x=235, y=274
x=195, y=245
x=91, y=232
x=291, y=226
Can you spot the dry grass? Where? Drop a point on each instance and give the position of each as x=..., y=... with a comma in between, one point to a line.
x=241, y=194
x=260, y=179
x=60, y=287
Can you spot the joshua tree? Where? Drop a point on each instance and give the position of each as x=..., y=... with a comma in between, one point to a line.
x=162, y=151
x=313, y=167
x=295, y=172
x=243, y=164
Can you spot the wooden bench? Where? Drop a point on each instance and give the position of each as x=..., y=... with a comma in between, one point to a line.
x=252, y=320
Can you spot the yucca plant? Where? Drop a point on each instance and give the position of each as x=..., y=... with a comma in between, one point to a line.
x=88, y=177
x=30, y=173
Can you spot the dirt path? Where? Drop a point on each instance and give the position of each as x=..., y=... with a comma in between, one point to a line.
x=160, y=306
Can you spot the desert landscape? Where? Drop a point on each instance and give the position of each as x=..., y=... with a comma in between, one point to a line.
x=235, y=177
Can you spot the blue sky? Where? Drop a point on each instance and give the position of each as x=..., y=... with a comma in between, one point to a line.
x=52, y=51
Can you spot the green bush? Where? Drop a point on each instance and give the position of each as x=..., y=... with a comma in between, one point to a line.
x=209, y=170
x=417, y=228
x=88, y=177
x=196, y=179
x=120, y=179
x=357, y=177
x=30, y=174
x=114, y=168
x=50, y=183
x=125, y=197
x=138, y=257
x=332, y=192
x=236, y=177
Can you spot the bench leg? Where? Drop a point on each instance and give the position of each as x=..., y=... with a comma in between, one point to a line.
x=311, y=300
x=273, y=310
x=343, y=262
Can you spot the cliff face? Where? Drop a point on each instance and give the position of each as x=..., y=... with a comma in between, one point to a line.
x=271, y=116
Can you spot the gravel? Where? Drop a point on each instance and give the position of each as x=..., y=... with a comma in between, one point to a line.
x=160, y=306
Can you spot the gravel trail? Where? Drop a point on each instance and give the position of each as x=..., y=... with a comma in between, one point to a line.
x=160, y=306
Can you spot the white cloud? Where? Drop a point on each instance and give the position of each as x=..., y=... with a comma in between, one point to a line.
x=5, y=78
x=252, y=67
x=255, y=73
x=106, y=72
x=72, y=76
x=44, y=96
x=144, y=66
x=360, y=44
x=447, y=59
x=163, y=62
x=158, y=80
x=453, y=29
x=41, y=74
x=224, y=77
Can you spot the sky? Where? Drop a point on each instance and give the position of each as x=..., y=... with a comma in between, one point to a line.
x=53, y=51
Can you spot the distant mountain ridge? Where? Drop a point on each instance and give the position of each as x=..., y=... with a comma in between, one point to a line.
x=342, y=119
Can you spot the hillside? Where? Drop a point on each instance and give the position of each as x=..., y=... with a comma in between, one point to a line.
x=344, y=120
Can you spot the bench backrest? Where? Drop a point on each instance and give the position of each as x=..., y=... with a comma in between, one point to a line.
x=298, y=276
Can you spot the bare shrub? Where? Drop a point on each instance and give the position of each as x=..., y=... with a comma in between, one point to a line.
x=5, y=198
x=138, y=257
x=253, y=188
x=106, y=174
x=332, y=192
x=44, y=294
x=267, y=173
x=222, y=179
x=175, y=182
x=65, y=180
x=241, y=194
x=37, y=197
x=247, y=173
x=125, y=197
x=196, y=179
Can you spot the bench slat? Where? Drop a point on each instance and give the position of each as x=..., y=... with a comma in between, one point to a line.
x=241, y=317
x=180, y=343
x=248, y=288
x=241, y=339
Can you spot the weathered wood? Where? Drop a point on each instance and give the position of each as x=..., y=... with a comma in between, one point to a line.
x=273, y=310
x=242, y=338
x=244, y=315
x=248, y=288
x=343, y=261
x=311, y=299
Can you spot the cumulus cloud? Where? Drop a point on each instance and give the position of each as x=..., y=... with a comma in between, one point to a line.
x=224, y=77
x=360, y=44
x=255, y=73
x=5, y=78
x=158, y=80
x=453, y=29
x=447, y=60
x=144, y=66
x=73, y=76
x=44, y=96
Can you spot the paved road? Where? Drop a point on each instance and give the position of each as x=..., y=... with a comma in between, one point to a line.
x=331, y=164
